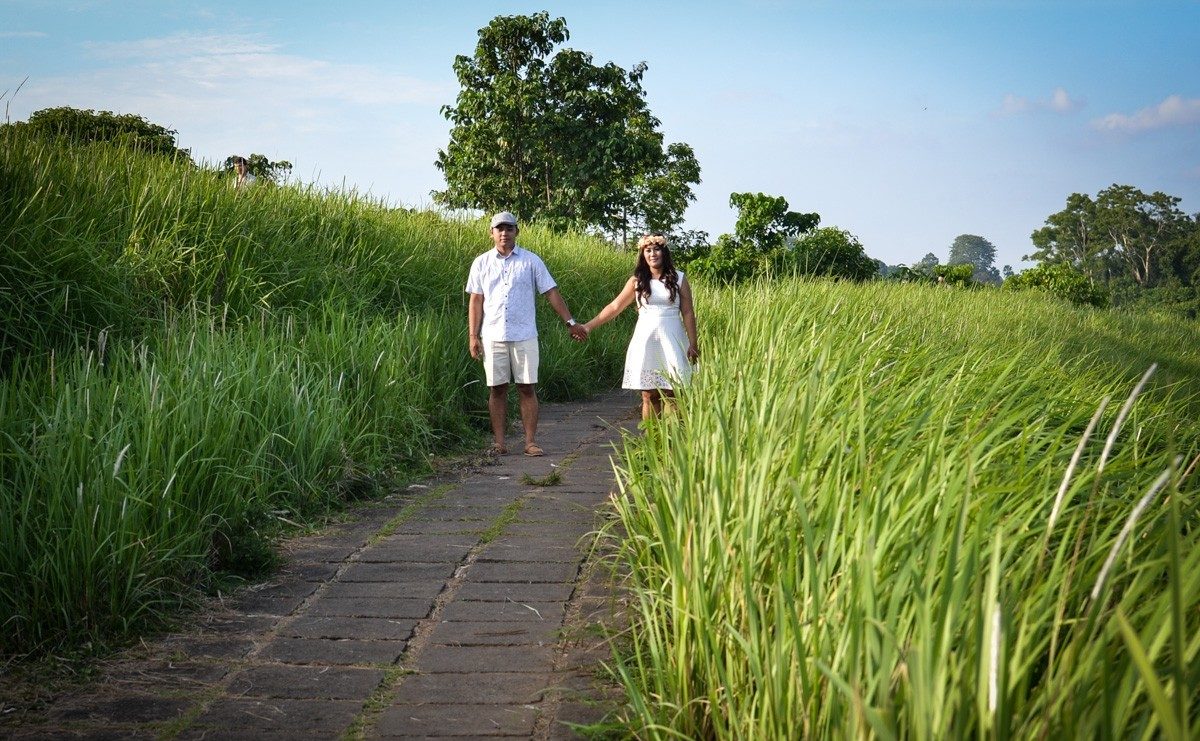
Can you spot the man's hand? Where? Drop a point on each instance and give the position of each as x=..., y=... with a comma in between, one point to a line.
x=578, y=332
x=476, y=348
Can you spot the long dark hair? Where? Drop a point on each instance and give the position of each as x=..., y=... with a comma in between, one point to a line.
x=641, y=271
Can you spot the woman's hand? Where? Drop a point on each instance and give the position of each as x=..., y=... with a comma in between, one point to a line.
x=693, y=353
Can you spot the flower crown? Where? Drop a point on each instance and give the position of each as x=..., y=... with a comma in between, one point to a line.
x=650, y=239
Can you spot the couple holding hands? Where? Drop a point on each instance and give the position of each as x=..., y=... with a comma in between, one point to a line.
x=501, y=325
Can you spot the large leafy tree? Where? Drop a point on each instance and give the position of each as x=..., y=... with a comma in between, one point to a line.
x=1140, y=227
x=1071, y=236
x=1183, y=261
x=79, y=126
x=973, y=250
x=1123, y=234
x=764, y=222
x=659, y=197
x=554, y=137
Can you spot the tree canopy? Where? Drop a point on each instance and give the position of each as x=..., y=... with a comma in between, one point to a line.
x=556, y=138
x=1129, y=247
x=928, y=263
x=1123, y=234
x=834, y=253
x=763, y=232
x=973, y=250
x=768, y=238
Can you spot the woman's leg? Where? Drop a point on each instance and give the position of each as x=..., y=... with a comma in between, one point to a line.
x=651, y=404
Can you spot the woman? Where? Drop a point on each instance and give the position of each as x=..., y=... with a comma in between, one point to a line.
x=664, y=342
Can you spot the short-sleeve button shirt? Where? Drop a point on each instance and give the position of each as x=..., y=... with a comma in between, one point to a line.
x=509, y=286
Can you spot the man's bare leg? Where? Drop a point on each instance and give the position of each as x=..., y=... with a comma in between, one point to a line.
x=529, y=412
x=498, y=411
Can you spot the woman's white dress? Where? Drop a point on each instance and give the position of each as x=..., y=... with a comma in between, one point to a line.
x=657, y=354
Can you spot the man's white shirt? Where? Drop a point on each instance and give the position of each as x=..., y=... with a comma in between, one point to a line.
x=509, y=286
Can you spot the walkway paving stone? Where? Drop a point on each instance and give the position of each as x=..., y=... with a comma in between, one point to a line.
x=310, y=626
x=506, y=611
x=434, y=721
x=467, y=659
x=493, y=633
x=452, y=609
x=516, y=592
x=527, y=571
x=305, y=682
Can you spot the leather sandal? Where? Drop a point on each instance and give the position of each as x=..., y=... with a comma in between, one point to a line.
x=533, y=450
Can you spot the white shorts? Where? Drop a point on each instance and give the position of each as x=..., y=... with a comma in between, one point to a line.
x=505, y=362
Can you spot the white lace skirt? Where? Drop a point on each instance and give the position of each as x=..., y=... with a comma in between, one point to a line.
x=657, y=354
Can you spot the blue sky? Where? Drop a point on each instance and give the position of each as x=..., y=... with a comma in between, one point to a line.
x=905, y=123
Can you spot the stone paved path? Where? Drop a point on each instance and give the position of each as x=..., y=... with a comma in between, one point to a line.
x=458, y=609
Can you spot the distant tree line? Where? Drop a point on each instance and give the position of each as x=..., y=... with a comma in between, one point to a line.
x=972, y=262
x=1124, y=247
x=75, y=126
x=260, y=167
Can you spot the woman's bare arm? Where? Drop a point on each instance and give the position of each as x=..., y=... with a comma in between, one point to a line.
x=688, y=314
x=615, y=307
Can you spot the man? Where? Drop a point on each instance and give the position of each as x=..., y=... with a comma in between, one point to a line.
x=244, y=178
x=502, y=327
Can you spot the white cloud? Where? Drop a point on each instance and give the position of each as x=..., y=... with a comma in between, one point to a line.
x=1014, y=104
x=181, y=45
x=1060, y=101
x=22, y=35
x=244, y=65
x=1174, y=111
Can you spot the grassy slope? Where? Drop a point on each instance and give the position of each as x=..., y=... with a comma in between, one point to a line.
x=851, y=533
x=186, y=367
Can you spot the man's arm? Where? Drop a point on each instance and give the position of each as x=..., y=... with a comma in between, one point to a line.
x=559, y=305
x=475, y=324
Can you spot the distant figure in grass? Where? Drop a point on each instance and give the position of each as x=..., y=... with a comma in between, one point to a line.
x=502, y=327
x=664, y=345
x=243, y=178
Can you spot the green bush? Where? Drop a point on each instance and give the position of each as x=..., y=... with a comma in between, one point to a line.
x=1060, y=280
x=76, y=126
x=828, y=252
x=955, y=275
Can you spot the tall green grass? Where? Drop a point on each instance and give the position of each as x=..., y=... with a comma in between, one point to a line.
x=141, y=469
x=99, y=238
x=868, y=523
x=184, y=368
